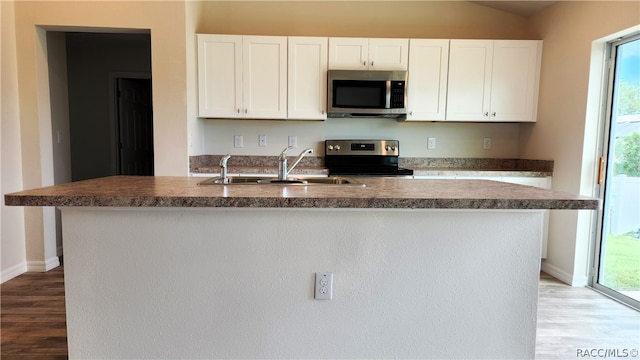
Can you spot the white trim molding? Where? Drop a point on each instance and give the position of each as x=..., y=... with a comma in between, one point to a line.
x=43, y=266
x=563, y=276
x=13, y=271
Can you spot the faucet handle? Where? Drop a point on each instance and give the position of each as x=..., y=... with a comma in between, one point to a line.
x=224, y=159
x=284, y=152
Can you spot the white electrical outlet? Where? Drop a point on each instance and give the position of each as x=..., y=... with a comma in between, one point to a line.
x=238, y=141
x=431, y=143
x=486, y=143
x=324, y=286
x=293, y=141
x=262, y=140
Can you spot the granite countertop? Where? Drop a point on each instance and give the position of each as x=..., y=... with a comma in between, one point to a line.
x=209, y=164
x=383, y=193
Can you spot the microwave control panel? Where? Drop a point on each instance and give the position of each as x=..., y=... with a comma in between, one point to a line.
x=397, y=95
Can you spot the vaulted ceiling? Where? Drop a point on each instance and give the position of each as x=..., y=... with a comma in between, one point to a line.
x=522, y=8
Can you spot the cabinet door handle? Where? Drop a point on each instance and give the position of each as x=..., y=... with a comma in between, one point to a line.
x=486, y=114
x=364, y=63
x=238, y=111
x=493, y=113
x=410, y=113
x=245, y=111
x=372, y=64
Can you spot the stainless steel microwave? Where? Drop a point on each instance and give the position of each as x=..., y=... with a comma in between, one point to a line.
x=362, y=93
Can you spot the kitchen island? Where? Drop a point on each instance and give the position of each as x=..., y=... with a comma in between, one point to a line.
x=159, y=267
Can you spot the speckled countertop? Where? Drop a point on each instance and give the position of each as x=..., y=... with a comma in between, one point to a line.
x=312, y=165
x=383, y=193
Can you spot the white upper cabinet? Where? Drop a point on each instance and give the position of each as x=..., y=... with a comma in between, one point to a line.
x=515, y=80
x=493, y=80
x=307, y=90
x=388, y=54
x=427, y=83
x=368, y=54
x=219, y=75
x=242, y=76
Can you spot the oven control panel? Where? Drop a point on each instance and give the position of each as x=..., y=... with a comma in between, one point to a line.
x=362, y=147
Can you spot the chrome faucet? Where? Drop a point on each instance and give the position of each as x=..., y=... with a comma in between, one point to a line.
x=283, y=170
x=223, y=169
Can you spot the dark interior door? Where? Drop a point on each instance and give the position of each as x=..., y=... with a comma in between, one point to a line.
x=135, y=127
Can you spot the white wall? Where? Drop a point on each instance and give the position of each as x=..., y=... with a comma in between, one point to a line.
x=408, y=283
x=56, y=50
x=574, y=34
x=29, y=105
x=452, y=139
x=12, y=238
x=193, y=19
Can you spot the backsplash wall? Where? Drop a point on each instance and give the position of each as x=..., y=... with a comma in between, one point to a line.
x=452, y=139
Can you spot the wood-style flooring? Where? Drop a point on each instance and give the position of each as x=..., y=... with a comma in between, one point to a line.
x=33, y=323
x=580, y=323
x=573, y=322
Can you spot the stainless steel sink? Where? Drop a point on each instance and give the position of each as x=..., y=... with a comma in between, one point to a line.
x=232, y=180
x=306, y=181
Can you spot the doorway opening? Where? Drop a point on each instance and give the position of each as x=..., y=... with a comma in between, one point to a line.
x=110, y=109
x=617, y=254
x=133, y=124
x=85, y=67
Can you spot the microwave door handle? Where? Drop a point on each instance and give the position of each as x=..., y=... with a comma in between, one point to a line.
x=387, y=104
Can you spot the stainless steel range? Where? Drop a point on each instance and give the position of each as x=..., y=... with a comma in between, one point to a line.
x=364, y=157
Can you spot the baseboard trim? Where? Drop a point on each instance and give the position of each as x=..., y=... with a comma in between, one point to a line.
x=43, y=266
x=13, y=271
x=563, y=276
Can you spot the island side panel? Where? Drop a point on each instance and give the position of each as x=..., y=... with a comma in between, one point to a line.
x=239, y=283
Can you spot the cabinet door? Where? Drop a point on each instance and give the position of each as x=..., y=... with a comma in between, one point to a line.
x=514, y=89
x=388, y=54
x=219, y=75
x=307, y=90
x=469, y=85
x=427, y=84
x=348, y=53
x=264, y=75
